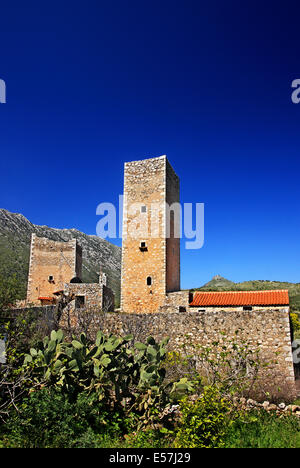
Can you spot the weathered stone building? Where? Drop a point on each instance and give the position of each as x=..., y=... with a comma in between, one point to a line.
x=91, y=295
x=150, y=250
x=55, y=268
x=151, y=300
x=51, y=265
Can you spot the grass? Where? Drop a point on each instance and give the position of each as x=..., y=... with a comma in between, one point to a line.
x=256, y=429
x=251, y=430
x=264, y=430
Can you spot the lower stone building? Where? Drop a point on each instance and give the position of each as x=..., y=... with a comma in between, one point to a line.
x=90, y=295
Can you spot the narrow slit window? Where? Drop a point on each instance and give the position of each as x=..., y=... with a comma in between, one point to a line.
x=149, y=281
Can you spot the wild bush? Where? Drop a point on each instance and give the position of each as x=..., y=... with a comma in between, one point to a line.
x=203, y=422
x=48, y=419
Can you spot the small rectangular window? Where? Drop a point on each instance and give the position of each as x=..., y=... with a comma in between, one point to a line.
x=143, y=209
x=79, y=302
x=50, y=278
x=247, y=308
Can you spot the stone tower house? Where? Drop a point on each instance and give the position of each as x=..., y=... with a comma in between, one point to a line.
x=52, y=264
x=151, y=245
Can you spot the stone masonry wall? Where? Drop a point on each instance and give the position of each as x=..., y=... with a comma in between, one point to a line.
x=61, y=260
x=268, y=330
x=177, y=301
x=95, y=295
x=92, y=293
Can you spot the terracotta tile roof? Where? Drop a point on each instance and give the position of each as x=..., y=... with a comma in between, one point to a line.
x=241, y=298
x=43, y=298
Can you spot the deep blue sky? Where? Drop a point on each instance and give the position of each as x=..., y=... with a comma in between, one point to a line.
x=93, y=84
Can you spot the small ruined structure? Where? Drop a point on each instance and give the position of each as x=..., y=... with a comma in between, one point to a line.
x=90, y=295
x=55, y=269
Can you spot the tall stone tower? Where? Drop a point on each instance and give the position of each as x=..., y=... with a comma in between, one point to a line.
x=151, y=244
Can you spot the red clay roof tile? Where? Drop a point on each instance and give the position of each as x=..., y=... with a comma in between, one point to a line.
x=241, y=298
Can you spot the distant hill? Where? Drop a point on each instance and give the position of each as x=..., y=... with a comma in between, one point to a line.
x=15, y=236
x=218, y=283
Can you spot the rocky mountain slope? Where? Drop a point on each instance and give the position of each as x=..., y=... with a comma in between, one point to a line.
x=15, y=235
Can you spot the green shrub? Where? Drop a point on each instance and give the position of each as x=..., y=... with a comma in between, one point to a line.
x=203, y=422
x=147, y=439
x=48, y=419
x=295, y=321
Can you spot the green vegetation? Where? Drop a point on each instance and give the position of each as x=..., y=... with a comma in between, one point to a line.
x=203, y=422
x=108, y=393
x=115, y=393
x=295, y=322
x=14, y=257
x=10, y=291
x=260, y=429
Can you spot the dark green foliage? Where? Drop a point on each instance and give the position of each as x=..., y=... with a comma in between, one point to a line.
x=77, y=389
x=48, y=419
x=14, y=259
x=10, y=291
